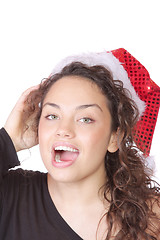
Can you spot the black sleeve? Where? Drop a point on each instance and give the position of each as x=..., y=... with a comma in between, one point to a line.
x=8, y=155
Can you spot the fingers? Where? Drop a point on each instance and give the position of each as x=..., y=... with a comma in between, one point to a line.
x=28, y=91
x=20, y=103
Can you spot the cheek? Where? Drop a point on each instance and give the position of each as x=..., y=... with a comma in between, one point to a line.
x=40, y=132
x=96, y=140
x=43, y=135
x=44, y=145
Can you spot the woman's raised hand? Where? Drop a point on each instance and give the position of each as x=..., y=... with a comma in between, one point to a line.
x=15, y=125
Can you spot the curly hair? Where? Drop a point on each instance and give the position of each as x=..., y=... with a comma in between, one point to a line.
x=133, y=194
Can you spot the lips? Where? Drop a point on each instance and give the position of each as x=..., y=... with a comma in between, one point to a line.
x=64, y=154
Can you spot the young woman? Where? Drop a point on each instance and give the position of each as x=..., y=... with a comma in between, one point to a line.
x=97, y=185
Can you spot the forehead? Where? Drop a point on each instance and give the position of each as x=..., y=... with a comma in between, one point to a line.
x=75, y=87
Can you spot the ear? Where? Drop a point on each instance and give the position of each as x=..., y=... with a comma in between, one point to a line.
x=115, y=140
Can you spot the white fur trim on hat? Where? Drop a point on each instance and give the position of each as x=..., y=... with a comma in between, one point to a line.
x=108, y=60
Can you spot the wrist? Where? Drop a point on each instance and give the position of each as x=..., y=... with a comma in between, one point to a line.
x=13, y=138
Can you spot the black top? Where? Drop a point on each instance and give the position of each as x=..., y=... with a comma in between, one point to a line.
x=27, y=211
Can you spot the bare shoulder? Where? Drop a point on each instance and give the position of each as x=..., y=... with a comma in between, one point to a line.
x=156, y=207
x=154, y=219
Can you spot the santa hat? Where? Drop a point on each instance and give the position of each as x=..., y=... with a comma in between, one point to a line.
x=144, y=92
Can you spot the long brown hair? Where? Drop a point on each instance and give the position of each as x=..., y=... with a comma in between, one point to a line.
x=132, y=192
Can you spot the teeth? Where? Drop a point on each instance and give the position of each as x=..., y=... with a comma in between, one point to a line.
x=57, y=158
x=64, y=148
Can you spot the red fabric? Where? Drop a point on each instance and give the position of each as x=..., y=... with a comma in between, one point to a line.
x=148, y=91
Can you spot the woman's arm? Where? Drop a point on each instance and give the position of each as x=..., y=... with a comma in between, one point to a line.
x=13, y=138
x=15, y=125
x=8, y=155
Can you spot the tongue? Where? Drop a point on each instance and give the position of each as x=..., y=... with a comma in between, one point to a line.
x=68, y=156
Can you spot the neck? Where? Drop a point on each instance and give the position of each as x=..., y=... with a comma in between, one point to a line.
x=81, y=193
x=80, y=204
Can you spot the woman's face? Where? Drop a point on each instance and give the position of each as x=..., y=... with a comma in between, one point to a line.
x=75, y=131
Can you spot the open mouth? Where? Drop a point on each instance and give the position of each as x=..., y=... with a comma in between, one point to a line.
x=65, y=154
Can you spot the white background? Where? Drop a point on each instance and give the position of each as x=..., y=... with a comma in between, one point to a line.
x=36, y=34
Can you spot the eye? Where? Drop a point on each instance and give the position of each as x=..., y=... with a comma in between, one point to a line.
x=52, y=117
x=86, y=120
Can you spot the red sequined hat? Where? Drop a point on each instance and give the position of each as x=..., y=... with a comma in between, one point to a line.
x=148, y=92
x=136, y=79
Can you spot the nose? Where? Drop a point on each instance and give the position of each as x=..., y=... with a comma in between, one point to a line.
x=65, y=130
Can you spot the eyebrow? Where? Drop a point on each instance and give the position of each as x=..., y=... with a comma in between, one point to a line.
x=51, y=104
x=77, y=108
x=89, y=105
